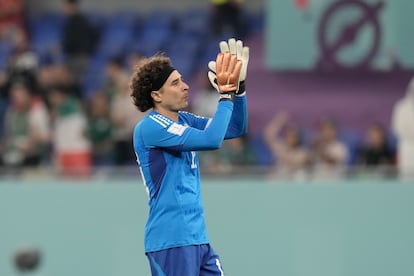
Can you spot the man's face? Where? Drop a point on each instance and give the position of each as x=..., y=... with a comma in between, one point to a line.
x=68, y=8
x=20, y=96
x=375, y=137
x=328, y=132
x=173, y=96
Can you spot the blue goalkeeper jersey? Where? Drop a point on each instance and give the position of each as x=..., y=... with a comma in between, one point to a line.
x=167, y=156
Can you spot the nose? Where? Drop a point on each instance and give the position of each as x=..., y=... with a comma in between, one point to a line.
x=185, y=86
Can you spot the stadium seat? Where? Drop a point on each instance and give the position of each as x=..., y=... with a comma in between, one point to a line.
x=210, y=49
x=3, y=107
x=46, y=22
x=160, y=19
x=184, y=64
x=46, y=34
x=261, y=151
x=125, y=18
x=392, y=141
x=195, y=22
x=5, y=51
x=157, y=28
x=94, y=75
x=184, y=52
x=97, y=19
x=151, y=41
x=352, y=139
x=255, y=22
x=184, y=43
x=118, y=33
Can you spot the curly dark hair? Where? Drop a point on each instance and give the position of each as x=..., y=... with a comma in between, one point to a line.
x=142, y=80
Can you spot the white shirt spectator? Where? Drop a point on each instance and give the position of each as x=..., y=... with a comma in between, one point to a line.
x=403, y=126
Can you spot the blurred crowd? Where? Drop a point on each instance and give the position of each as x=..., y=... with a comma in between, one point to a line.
x=50, y=118
x=289, y=152
x=52, y=113
x=324, y=155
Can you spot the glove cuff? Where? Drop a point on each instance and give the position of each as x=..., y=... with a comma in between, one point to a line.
x=242, y=88
x=226, y=97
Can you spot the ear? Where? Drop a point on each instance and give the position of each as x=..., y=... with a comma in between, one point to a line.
x=156, y=96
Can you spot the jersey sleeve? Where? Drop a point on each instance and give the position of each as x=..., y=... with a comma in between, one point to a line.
x=238, y=122
x=180, y=137
x=195, y=121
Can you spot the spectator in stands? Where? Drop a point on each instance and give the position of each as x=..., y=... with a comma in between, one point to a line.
x=115, y=77
x=3, y=106
x=45, y=79
x=132, y=60
x=63, y=77
x=403, y=126
x=226, y=18
x=11, y=17
x=72, y=148
x=22, y=58
x=49, y=76
x=124, y=117
x=26, y=128
x=291, y=157
x=375, y=154
x=79, y=39
x=234, y=156
x=21, y=64
x=328, y=153
x=100, y=130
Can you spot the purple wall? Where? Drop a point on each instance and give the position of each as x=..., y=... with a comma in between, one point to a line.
x=354, y=100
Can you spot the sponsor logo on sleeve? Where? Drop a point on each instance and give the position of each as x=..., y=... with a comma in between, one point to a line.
x=176, y=129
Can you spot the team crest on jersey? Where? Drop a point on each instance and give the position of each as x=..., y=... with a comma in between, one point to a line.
x=176, y=129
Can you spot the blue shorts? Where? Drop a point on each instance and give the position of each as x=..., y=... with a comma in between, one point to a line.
x=193, y=260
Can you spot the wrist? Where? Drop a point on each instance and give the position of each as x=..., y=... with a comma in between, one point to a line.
x=242, y=88
x=228, y=96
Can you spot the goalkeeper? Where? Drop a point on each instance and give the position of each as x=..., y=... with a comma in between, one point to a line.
x=166, y=142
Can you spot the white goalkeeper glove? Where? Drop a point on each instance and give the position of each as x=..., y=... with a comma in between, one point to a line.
x=234, y=47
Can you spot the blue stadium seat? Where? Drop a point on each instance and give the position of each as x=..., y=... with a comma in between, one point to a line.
x=50, y=17
x=129, y=19
x=211, y=48
x=5, y=51
x=255, y=22
x=45, y=33
x=118, y=33
x=94, y=76
x=184, y=64
x=184, y=52
x=261, y=151
x=3, y=108
x=392, y=141
x=97, y=19
x=151, y=41
x=195, y=22
x=184, y=43
x=352, y=140
x=160, y=19
x=50, y=21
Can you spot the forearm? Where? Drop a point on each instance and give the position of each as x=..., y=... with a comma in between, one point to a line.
x=272, y=131
x=239, y=119
x=212, y=136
